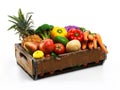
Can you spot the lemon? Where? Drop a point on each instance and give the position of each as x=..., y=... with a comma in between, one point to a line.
x=38, y=54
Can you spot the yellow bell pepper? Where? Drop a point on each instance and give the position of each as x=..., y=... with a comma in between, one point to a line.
x=38, y=54
x=58, y=31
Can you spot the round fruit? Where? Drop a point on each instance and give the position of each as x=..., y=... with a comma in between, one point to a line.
x=38, y=54
x=59, y=48
x=47, y=55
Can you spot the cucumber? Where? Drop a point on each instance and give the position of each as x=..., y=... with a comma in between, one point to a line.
x=60, y=39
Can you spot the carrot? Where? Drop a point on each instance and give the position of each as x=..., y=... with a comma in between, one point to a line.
x=90, y=45
x=84, y=45
x=95, y=43
x=99, y=39
x=90, y=37
x=86, y=33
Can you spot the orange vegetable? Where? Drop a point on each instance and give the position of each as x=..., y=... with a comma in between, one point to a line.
x=95, y=43
x=99, y=39
x=90, y=45
x=86, y=33
x=90, y=37
x=84, y=45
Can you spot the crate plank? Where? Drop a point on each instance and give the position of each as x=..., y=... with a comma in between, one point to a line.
x=67, y=62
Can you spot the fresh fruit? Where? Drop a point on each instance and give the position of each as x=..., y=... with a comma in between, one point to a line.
x=47, y=55
x=32, y=38
x=30, y=46
x=73, y=45
x=38, y=54
x=23, y=25
x=75, y=34
x=59, y=48
x=53, y=40
x=60, y=39
x=58, y=31
x=47, y=46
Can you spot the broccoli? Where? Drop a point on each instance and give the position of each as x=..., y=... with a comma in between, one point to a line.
x=44, y=30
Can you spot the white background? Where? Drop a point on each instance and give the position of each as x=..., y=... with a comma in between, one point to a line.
x=101, y=16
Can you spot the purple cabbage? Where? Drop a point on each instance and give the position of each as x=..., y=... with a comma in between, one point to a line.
x=71, y=26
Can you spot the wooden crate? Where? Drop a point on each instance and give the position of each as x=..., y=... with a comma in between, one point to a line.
x=40, y=68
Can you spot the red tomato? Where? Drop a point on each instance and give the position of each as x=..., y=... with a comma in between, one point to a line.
x=59, y=48
x=47, y=55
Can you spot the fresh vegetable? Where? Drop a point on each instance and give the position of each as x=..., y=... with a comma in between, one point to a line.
x=73, y=45
x=44, y=30
x=60, y=39
x=53, y=55
x=59, y=48
x=38, y=54
x=71, y=27
x=86, y=33
x=90, y=44
x=90, y=37
x=30, y=47
x=75, y=34
x=47, y=46
x=95, y=43
x=99, y=39
x=84, y=45
x=57, y=31
x=82, y=29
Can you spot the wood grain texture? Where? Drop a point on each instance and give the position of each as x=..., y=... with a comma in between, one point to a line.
x=39, y=68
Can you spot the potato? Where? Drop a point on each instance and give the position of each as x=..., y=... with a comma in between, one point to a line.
x=73, y=45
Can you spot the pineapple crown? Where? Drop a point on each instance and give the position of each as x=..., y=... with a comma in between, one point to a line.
x=22, y=24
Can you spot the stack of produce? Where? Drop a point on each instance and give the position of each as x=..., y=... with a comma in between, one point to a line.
x=50, y=41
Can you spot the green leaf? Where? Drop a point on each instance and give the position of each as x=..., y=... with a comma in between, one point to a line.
x=29, y=13
x=12, y=21
x=14, y=18
x=29, y=19
x=13, y=26
x=21, y=16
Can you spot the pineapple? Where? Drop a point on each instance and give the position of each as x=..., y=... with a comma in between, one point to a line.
x=23, y=26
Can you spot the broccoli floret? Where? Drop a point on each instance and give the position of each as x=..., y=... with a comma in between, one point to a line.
x=44, y=30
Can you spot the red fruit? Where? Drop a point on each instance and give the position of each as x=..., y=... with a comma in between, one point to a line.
x=59, y=48
x=47, y=46
x=41, y=45
x=30, y=46
x=47, y=55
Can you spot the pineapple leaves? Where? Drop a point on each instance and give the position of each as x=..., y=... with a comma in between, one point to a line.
x=22, y=24
x=13, y=26
x=21, y=16
x=14, y=18
x=29, y=19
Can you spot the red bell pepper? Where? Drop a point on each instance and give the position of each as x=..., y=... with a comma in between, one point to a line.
x=75, y=34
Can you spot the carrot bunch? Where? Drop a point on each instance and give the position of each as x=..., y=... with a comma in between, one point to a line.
x=92, y=40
